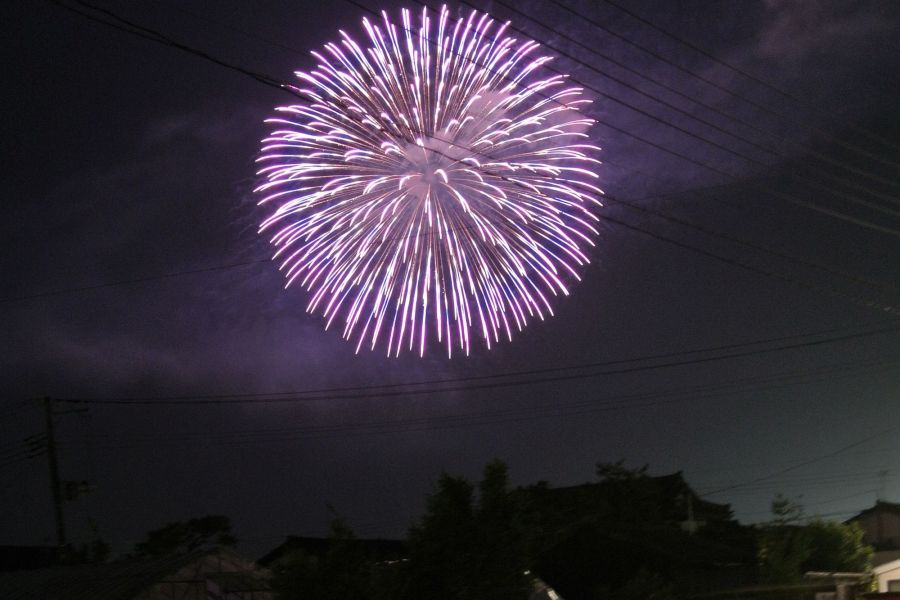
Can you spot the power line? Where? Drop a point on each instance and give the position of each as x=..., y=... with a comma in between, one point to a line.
x=775, y=381
x=508, y=374
x=805, y=463
x=719, y=199
x=832, y=514
x=733, y=262
x=750, y=159
x=120, y=282
x=738, y=70
x=819, y=515
x=632, y=204
x=766, y=189
x=732, y=93
x=295, y=51
x=743, y=466
x=161, y=38
x=695, y=100
x=810, y=484
x=742, y=242
x=852, y=476
x=146, y=33
x=341, y=393
x=165, y=40
x=480, y=418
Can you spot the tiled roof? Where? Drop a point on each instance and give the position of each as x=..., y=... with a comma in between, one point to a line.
x=880, y=506
x=374, y=549
x=119, y=580
x=127, y=579
x=669, y=491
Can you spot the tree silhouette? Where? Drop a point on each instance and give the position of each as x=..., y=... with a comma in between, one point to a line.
x=182, y=537
x=788, y=548
x=463, y=550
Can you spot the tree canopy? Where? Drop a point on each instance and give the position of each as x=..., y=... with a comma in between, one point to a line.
x=182, y=537
x=463, y=548
x=789, y=546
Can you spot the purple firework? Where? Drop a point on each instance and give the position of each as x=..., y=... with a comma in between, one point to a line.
x=432, y=184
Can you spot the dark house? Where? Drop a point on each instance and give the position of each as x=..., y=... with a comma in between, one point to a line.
x=667, y=499
x=880, y=525
x=606, y=535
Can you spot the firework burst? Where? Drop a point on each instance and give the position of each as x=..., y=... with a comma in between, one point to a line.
x=432, y=184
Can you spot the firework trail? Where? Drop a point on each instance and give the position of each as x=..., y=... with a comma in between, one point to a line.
x=432, y=185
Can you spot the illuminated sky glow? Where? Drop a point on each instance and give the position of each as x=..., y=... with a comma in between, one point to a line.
x=432, y=186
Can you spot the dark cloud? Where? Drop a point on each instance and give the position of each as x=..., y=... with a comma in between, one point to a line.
x=794, y=29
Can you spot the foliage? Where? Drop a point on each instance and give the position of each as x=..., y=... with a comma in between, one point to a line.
x=440, y=544
x=629, y=493
x=622, y=537
x=618, y=472
x=782, y=545
x=463, y=549
x=294, y=576
x=182, y=537
x=837, y=546
x=788, y=549
x=610, y=540
x=466, y=546
x=786, y=511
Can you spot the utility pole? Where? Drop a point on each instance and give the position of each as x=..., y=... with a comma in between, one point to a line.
x=55, y=486
x=692, y=528
x=879, y=511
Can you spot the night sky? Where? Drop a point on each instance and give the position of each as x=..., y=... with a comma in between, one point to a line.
x=132, y=270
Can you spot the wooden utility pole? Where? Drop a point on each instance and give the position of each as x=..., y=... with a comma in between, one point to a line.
x=55, y=486
x=879, y=511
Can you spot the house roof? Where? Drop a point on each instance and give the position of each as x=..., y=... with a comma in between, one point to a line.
x=118, y=580
x=884, y=556
x=376, y=549
x=888, y=566
x=671, y=490
x=880, y=506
